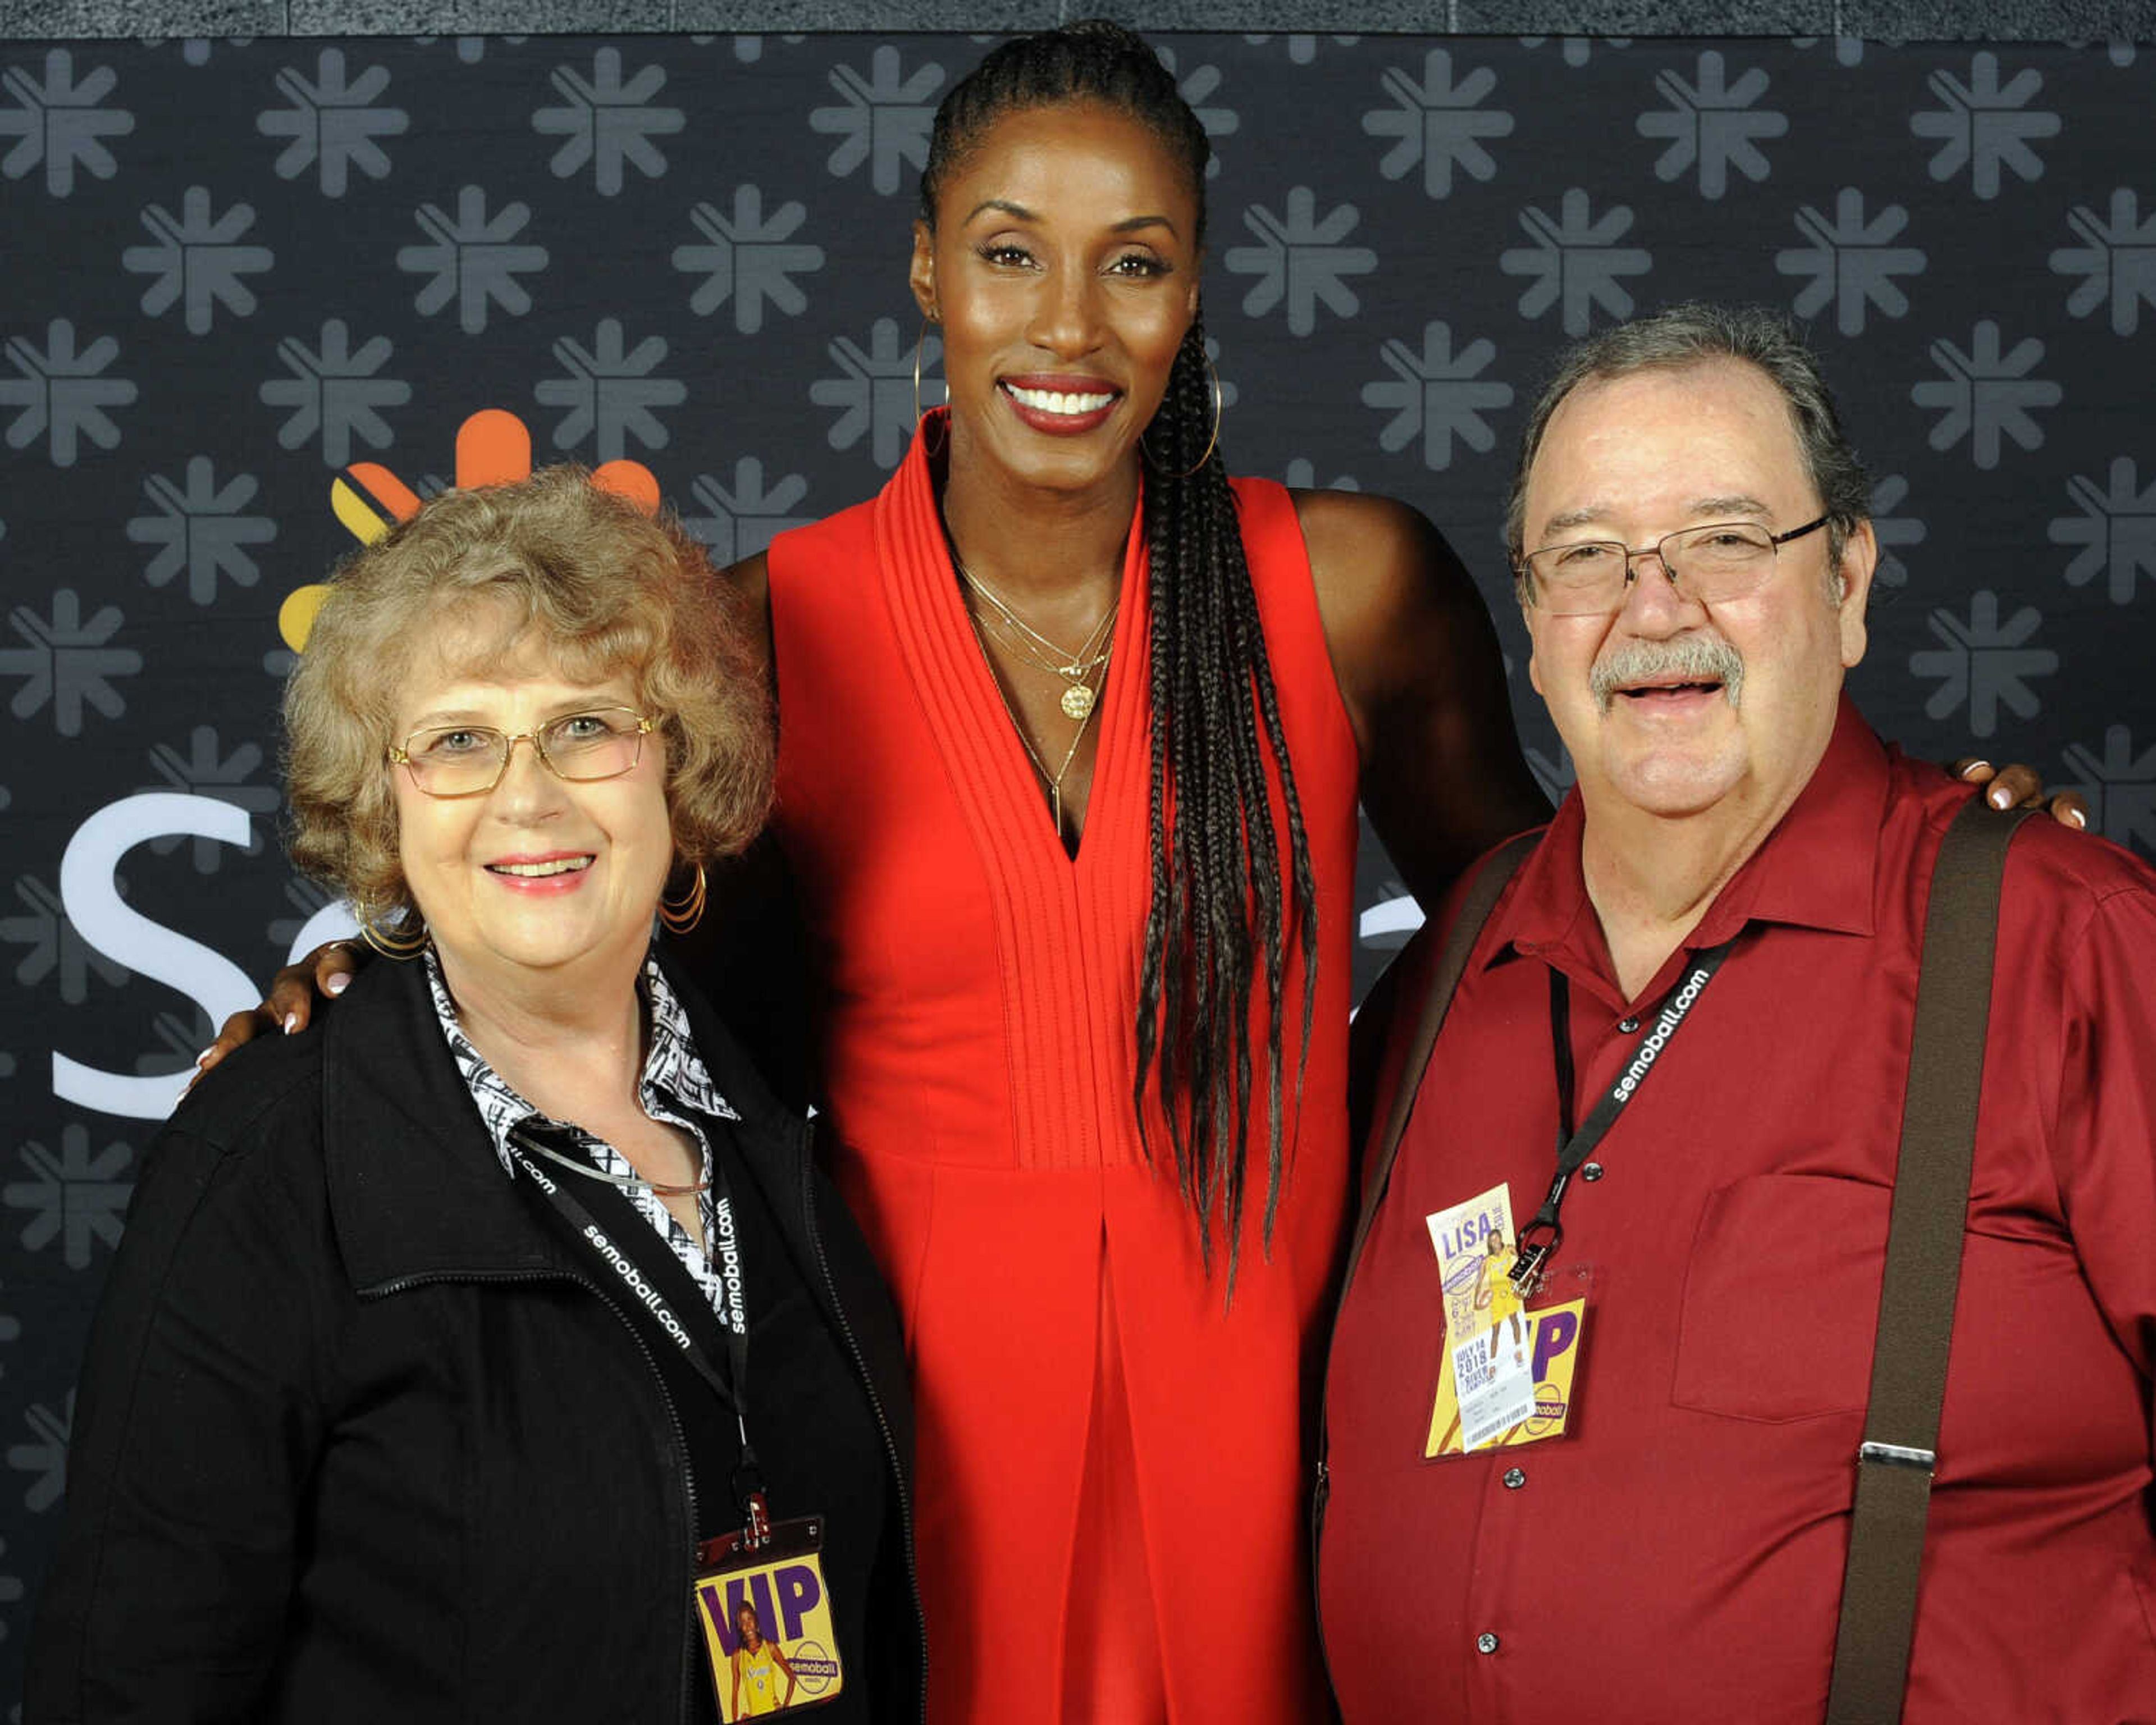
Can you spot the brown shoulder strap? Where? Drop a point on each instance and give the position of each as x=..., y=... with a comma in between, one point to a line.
x=1401, y=1083
x=1924, y=1231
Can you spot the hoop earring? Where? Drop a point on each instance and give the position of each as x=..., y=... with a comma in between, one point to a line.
x=398, y=943
x=920, y=341
x=1212, y=443
x=683, y=914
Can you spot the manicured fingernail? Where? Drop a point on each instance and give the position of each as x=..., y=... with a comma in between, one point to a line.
x=1976, y=766
x=291, y=1023
x=1997, y=796
x=2077, y=818
x=205, y=1054
x=336, y=985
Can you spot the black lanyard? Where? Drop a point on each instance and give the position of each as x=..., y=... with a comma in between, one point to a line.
x=748, y=1477
x=1543, y=1233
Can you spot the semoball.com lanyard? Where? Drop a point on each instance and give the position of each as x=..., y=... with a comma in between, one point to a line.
x=1543, y=1233
x=748, y=1477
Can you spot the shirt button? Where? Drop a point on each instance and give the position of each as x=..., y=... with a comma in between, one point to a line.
x=1515, y=1477
x=1485, y=1643
x=1628, y=1025
x=1591, y=1171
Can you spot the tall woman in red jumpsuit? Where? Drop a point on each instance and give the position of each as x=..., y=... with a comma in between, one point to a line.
x=1072, y=728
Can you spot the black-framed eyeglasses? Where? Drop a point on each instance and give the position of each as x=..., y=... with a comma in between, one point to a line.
x=466, y=760
x=1720, y=561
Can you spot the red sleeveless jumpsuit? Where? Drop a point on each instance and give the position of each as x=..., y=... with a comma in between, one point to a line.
x=976, y=992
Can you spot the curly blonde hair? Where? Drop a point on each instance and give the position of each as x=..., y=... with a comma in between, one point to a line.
x=607, y=589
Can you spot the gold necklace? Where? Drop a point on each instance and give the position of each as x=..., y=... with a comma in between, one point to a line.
x=1053, y=780
x=1074, y=668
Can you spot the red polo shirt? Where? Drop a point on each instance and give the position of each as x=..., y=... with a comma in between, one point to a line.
x=1677, y=1554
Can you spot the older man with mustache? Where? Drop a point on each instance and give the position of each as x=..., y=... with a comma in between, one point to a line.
x=1700, y=987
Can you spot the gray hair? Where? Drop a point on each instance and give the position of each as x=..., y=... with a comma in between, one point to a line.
x=1698, y=333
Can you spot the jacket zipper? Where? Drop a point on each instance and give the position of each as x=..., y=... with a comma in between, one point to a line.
x=672, y=1415
x=875, y=1406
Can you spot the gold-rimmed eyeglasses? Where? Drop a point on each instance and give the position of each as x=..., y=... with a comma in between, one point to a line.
x=466, y=760
x=1720, y=561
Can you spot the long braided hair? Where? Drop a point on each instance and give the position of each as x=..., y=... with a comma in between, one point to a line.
x=1221, y=915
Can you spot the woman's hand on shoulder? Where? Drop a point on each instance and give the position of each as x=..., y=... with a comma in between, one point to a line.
x=328, y=970
x=1419, y=668
x=2018, y=785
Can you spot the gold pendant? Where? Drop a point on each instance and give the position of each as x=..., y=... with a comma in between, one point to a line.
x=1078, y=701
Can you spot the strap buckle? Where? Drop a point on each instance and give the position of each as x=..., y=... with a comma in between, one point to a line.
x=1897, y=1455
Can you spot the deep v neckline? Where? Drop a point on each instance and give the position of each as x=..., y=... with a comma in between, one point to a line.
x=991, y=707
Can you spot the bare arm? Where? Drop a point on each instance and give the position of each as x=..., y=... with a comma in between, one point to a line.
x=1418, y=663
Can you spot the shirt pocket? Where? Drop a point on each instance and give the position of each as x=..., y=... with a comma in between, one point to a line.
x=1781, y=1298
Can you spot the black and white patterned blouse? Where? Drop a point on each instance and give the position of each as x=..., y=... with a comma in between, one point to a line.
x=674, y=1081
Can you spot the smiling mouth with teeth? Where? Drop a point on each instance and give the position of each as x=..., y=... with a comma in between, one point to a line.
x=1056, y=401
x=536, y=871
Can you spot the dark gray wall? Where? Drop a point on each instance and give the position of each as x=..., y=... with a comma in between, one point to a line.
x=1876, y=20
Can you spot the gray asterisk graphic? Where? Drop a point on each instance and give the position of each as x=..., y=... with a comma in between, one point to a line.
x=472, y=258
x=610, y=392
x=63, y=394
x=1198, y=87
x=2115, y=261
x=749, y=258
x=2119, y=787
x=335, y=393
x=741, y=519
x=11, y=1586
x=50, y=945
x=1575, y=261
x=1555, y=773
x=71, y=1195
x=1712, y=125
x=2116, y=531
x=1576, y=51
x=1438, y=123
x=872, y=391
x=332, y=123
x=881, y=119
x=198, y=257
x=1852, y=261
x=306, y=900
x=60, y=122
x=1894, y=531
x=1984, y=127
x=1301, y=258
x=1987, y=395
x=1301, y=46
x=204, y=772
x=68, y=662
x=1438, y=396
x=1301, y=475
x=200, y=527
x=1984, y=664
x=45, y=1456
x=606, y=123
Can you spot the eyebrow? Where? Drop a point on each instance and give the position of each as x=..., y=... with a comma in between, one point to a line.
x=1701, y=509
x=474, y=717
x=1129, y=224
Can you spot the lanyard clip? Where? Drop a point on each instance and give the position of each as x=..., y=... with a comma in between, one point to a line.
x=756, y=1513
x=1531, y=1255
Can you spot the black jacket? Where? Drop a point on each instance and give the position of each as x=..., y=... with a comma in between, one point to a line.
x=359, y=1437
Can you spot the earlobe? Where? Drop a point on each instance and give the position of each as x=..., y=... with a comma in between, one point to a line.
x=1860, y=561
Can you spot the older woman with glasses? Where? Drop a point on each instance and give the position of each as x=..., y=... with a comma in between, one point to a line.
x=494, y=1347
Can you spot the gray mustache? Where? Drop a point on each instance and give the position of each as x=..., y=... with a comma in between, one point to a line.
x=1694, y=658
